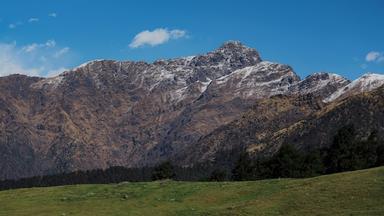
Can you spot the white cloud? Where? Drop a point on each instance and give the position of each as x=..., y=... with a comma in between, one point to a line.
x=156, y=37
x=36, y=59
x=34, y=46
x=53, y=14
x=374, y=56
x=33, y=19
x=61, y=52
x=11, y=63
x=50, y=43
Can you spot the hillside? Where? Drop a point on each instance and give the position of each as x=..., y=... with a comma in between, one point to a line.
x=351, y=193
x=304, y=121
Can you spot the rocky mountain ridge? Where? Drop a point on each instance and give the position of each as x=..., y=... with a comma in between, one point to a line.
x=365, y=83
x=107, y=113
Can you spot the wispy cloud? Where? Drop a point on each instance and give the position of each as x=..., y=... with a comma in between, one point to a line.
x=61, y=52
x=374, y=56
x=50, y=43
x=14, y=25
x=33, y=19
x=53, y=14
x=30, y=20
x=156, y=37
x=34, y=46
x=35, y=59
x=30, y=47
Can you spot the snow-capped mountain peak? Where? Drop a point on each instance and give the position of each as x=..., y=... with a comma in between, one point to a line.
x=365, y=83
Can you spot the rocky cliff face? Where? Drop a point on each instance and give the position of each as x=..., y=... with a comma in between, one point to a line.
x=254, y=130
x=319, y=84
x=107, y=113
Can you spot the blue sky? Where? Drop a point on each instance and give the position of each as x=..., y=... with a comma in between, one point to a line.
x=46, y=37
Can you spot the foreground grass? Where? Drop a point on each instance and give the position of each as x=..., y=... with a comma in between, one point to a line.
x=350, y=193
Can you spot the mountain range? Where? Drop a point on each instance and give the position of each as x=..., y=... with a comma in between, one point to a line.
x=187, y=110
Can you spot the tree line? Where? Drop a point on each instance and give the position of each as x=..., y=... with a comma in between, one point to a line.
x=114, y=174
x=346, y=153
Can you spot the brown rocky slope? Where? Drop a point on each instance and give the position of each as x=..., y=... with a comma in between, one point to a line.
x=304, y=121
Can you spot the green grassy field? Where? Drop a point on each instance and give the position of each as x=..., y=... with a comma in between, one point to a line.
x=350, y=193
